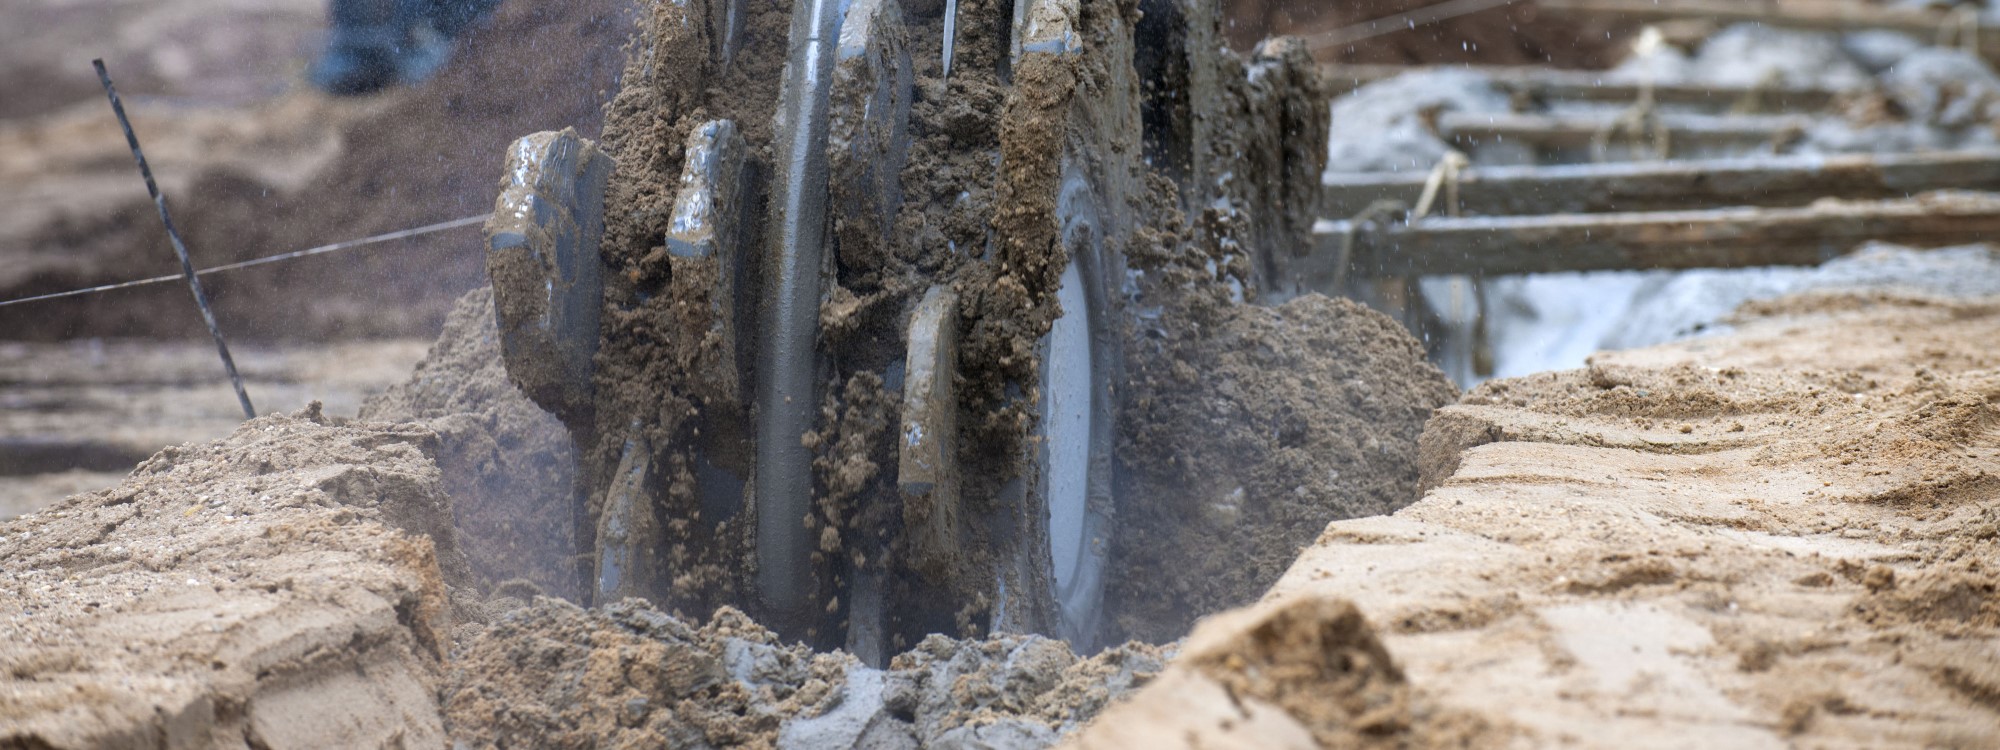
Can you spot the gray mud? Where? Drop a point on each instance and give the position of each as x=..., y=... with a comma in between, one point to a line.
x=626, y=675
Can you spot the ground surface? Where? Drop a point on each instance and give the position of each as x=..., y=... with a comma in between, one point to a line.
x=1781, y=537
x=1784, y=536
x=284, y=587
x=299, y=584
x=77, y=416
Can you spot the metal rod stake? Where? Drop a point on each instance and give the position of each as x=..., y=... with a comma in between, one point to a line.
x=950, y=33
x=180, y=248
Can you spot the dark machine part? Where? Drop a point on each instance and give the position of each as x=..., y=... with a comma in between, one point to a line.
x=787, y=400
x=964, y=526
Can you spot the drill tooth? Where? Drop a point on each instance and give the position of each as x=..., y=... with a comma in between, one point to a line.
x=950, y=33
x=868, y=129
x=927, y=453
x=705, y=233
x=628, y=536
x=542, y=255
x=728, y=24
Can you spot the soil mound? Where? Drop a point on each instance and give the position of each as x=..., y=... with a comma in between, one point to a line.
x=626, y=675
x=1246, y=430
x=1783, y=536
x=1310, y=672
x=282, y=587
x=509, y=466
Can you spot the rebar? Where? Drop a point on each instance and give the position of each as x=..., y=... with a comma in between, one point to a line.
x=174, y=235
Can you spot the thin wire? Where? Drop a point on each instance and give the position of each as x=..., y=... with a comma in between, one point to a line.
x=1424, y=16
x=321, y=250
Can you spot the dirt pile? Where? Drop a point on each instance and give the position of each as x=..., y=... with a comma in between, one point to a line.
x=282, y=587
x=1308, y=673
x=1780, y=536
x=1246, y=429
x=509, y=466
x=299, y=584
x=627, y=675
x=554, y=675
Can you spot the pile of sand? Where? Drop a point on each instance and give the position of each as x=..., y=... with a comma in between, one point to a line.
x=627, y=675
x=282, y=587
x=1245, y=430
x=1785, y=536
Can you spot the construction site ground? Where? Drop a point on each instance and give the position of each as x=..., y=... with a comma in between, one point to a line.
x=1784, y=535
x=1780, y=536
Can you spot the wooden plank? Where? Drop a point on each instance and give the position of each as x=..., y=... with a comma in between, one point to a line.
x=1675, y=185
x=1549, y=84
x=1715, y=238
x=1576, y=131
x=1821, y=15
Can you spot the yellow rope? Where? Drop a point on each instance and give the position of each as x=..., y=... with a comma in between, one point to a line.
x=1445, y=175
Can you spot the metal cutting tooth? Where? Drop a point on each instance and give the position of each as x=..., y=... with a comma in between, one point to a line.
x=706, y=228
x=868, y=127
x=628, y=536
x=542, y=254
x=1047, y=26
x=728, y=30
x=927, y=454
x=706, y=219
x=950, y=33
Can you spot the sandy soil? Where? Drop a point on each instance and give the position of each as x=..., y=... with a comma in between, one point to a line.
x=1781, y=537
x=299, y=584
x=283, y=587
x=1785, y=536
x=77, y=416
x=510, y=467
